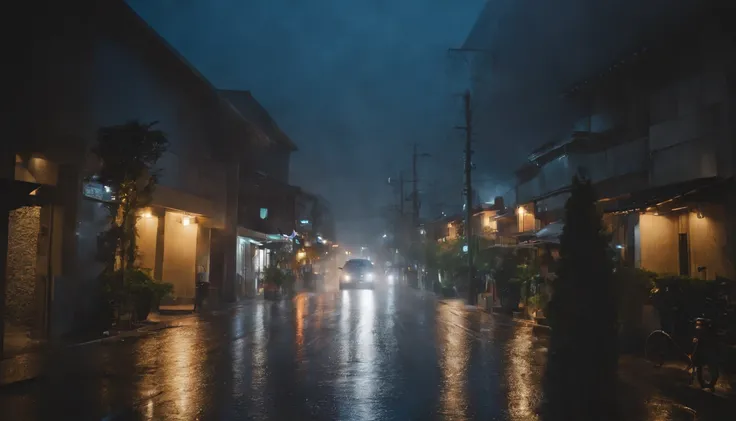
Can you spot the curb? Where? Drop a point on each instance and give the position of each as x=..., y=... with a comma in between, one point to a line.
x=536, y=327
x=25, y=367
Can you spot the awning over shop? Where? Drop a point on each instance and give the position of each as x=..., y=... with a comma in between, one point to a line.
x=16, y=193
x=261, y=238
x=669, y=196
x=551, y=233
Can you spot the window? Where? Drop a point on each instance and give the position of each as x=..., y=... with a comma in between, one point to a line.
x=357, y=264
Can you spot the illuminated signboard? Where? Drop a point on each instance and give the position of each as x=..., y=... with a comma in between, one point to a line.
x=98, y=191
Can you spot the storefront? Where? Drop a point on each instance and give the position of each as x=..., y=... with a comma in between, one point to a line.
x=253, y=258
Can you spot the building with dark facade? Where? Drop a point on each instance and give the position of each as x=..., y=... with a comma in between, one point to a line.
x=267, y=203
x=87, y=64
x=647, y=118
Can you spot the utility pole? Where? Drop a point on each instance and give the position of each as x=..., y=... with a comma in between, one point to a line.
x=469, y=196
x=401, y=194
x=415, y=185
x=468, y=169
x=414, y=194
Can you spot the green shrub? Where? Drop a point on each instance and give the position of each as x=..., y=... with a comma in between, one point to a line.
x=140, y=282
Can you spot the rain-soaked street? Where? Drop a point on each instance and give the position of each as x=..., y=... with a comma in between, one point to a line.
x=388, y=354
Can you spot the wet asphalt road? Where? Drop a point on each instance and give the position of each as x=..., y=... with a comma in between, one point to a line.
x=389, y=354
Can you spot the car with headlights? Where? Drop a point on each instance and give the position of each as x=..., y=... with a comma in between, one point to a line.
x=357, y=273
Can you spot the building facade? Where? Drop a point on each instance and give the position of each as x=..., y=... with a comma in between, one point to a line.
x=267, y=203
x=92, y=64
x=654, y=134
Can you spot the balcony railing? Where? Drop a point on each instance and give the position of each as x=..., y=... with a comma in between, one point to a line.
x=626, y=158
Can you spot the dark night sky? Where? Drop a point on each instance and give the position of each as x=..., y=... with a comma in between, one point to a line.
x=354, y=83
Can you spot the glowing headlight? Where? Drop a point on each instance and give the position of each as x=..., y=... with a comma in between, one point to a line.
x=346, y=277
x=391, y=278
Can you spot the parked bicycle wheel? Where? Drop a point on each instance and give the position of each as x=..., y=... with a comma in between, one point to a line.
x=708, y=374
x=658, y=347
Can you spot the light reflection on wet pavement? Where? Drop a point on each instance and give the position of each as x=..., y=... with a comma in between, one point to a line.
x=388, y=354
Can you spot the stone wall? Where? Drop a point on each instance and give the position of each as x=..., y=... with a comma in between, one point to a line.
x=23, y=230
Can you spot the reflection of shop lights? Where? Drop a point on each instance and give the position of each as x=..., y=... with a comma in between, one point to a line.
x=301, y=255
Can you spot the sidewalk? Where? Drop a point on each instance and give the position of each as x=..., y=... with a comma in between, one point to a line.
x=27, y=366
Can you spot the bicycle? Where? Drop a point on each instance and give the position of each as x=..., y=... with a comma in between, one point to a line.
x=702, y=358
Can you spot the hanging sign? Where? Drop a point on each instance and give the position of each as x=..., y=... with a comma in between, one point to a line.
x=97, y=191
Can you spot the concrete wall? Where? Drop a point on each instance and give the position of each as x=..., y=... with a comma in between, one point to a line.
x=145, y=88
x=180, y=255
x=147, y=227
x=707, y=236
x=23, y=230
x=706, y=242
x=203, y=247
x=658, y=241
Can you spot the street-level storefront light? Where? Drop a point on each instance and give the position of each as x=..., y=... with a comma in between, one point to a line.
x=346, y=278
x=185, y=220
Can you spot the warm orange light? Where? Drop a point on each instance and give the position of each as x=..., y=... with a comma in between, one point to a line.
x=520, y=210
x=185, y=220
x=147, y=214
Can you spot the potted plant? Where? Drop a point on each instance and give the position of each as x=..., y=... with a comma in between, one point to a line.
x=144, y=292
x=273, y=281
x=127, y=155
